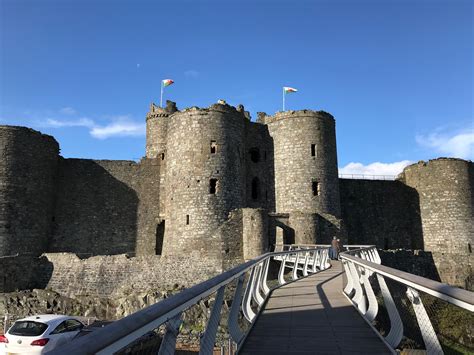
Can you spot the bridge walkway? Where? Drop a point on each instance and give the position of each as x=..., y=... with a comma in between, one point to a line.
x=312, y=316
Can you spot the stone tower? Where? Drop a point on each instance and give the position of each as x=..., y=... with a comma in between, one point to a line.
x=204, y=176
x=446, y=201
x=306, y=175
x=28, y=163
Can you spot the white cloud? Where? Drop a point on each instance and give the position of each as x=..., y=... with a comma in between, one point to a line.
x=191, y=73
x=67, y=111
x=457, y=145
x=377, y=168
x=122, y=127
x=81, y=122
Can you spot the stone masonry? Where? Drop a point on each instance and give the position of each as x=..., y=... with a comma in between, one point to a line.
x=217, y=188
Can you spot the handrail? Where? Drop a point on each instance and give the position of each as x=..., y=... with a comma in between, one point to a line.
x=124, y=331
x=348, y=247
x=454, y=295
x=367, y=177
x=360, y=265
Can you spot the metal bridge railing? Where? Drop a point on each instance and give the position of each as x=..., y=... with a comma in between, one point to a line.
x=367, y=177
x=408, y=311
x=249, y=286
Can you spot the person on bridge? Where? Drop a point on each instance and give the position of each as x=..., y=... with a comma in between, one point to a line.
x=340, y=248
x=334, y=249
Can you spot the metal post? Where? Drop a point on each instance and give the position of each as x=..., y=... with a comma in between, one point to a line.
x=283, y=99
x=246, y=304
x=168, y=344
x=233, y=320
x=161, y=95
x=281, y=273
x=209, y=338
x=429, y=335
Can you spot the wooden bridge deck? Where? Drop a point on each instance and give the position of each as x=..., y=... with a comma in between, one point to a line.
x=312, y=316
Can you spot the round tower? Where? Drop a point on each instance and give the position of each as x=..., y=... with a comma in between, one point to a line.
x=204, y=176
x=444, y=187
x=156, y=129
x=305, y=162
x=28, y=167
x=446, y=202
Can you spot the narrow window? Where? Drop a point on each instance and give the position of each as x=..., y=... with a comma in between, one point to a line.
x=213, y=147
x=212, y=186
x=162, y=156
x=254, y=155
x=313, y=150
x=315, y=187
x=160, y=235
x=187, y=219
x=469, y=247
x=255, y=188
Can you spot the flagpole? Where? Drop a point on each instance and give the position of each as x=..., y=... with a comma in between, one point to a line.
x=161, y=95
x=283, y=99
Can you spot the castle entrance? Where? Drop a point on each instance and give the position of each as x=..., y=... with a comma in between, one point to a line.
x=279, y=230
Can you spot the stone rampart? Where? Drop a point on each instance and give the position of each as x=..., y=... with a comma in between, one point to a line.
x=106, y=207
x=453, y=269
x=383, y=213
x=106, y=276
x=23, y=272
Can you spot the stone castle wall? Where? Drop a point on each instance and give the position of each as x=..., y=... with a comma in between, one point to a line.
x=215, y=186
x=117, y=274
x=383, y=213
x=103, y=276
x=106, y=207
x=28, y=163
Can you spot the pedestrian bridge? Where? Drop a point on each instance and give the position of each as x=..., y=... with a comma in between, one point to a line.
x=297, y=301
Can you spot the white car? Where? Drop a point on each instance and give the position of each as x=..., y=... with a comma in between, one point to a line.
x=39, y=334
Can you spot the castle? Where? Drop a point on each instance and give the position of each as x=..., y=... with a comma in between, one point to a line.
x=216, y=186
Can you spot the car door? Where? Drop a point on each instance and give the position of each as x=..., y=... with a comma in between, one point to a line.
x=64, y=332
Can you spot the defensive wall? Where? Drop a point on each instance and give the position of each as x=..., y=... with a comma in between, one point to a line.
x=218, y=187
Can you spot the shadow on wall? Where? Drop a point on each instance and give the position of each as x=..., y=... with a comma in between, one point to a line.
x=279, y=232
x=417, y=262
x=96, y=208
x=384, y=213
x=24, y=272
x=260, y=168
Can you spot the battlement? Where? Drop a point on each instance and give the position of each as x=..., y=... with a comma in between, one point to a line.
x=440, y=160
x=283, y=115
x=5, y=129
x=221, y=106
x=157, y=111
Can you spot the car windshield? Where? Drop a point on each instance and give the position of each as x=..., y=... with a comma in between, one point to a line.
x=28, y=328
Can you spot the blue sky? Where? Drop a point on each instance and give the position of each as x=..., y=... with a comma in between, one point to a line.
x=397, y=75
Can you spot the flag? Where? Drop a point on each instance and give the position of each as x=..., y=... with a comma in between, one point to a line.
x=167, y=82
x=287, y=89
